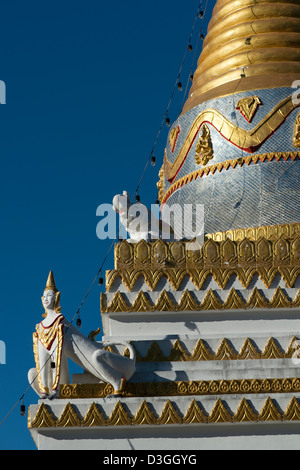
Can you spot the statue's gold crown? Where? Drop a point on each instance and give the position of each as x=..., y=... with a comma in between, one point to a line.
x=50, y=284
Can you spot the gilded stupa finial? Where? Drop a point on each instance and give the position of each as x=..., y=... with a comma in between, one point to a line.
x=250, y=44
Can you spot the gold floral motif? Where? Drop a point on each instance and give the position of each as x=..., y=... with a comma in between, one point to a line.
x=185, y=388
x=170, y=415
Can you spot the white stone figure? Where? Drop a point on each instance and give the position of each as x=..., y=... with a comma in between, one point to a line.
x=55, y=339
x=140, y=223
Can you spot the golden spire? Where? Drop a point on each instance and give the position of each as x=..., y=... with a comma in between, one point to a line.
x=250, y=44
x=50, y=285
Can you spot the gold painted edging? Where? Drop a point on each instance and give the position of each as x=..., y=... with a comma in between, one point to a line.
x=184, y=388
x=196, y=413
x=231, y=163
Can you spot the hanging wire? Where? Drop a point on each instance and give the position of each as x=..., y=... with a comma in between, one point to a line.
x=200, y=14
x=166, y=119
x=200, y=36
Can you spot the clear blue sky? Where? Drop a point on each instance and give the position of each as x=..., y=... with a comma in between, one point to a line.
x=87, y=86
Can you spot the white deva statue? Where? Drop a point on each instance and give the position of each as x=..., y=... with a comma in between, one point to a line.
x=55, y=339
x=140, y=223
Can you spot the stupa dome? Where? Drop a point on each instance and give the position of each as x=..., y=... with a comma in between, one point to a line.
x=235, y=146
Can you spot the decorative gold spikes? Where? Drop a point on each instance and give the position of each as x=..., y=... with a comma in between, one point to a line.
x=119, y=416
x=269, y=412
x=43, y=418
x=69, y=417
x=169, y=415
x=93, y=417
x=292, y=413
x=144, y=415
x=220, y=413
x=188, y=303
x=194, y=414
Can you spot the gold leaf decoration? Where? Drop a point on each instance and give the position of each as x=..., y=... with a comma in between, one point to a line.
x=169, y=415
x=69, y=417
x=210, y=302
x=272, y=350
x=248, y=106
x=93, y=417
x=292, y=413
x=269, y=412
x=119, y=416
x=194, y=414
x=144, y=415
x=219, y=413
x=43, y=418
x=245, y=412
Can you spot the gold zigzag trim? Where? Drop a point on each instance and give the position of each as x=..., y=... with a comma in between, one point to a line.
x=199, y=276
x=188, y=302
x=232, y=163
x=185, y=388
x=225, y=351
x=120, y=416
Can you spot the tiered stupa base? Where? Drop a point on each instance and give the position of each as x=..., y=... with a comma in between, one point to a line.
x=216, y=337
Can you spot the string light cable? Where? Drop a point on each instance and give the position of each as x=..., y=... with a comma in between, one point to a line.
x=200, y=15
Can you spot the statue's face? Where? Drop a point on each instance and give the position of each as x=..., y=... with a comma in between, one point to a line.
x=49, y=299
